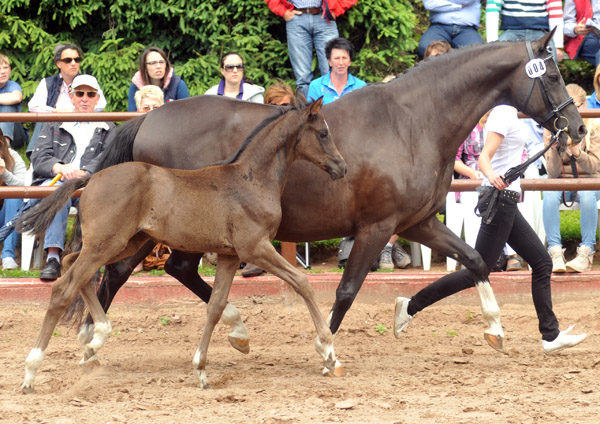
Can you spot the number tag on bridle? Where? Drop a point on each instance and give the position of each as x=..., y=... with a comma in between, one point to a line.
x=535, y=68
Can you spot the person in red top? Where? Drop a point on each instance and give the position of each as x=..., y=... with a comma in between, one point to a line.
x=582, y=30
x=309, y=23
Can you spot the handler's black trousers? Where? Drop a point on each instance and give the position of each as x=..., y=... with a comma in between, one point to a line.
x=508, y=225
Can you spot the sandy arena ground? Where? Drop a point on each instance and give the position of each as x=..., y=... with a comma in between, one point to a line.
x=441, y=371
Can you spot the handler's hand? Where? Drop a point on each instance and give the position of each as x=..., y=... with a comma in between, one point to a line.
x=289, y=14
x=497, y=181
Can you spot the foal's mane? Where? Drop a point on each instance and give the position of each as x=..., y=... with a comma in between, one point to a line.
x=269, y=119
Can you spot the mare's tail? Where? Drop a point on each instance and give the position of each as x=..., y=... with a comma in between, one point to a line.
x=120, y=143
x=38, y=218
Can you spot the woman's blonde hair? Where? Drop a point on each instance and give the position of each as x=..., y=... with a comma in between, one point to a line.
x=580, y=97
x=9, y=161
x=151, y=91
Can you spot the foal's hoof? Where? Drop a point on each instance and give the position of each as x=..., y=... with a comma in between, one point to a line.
x=495, y=342
x=338, y=371
x=27, y=390
x=242, y=345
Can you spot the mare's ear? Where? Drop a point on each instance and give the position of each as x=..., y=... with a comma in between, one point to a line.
x=545, y=40
x=300, y=99
x=314, y=108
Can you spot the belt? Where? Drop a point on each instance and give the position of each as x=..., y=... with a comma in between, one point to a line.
x=503, y=194
x=309, y=10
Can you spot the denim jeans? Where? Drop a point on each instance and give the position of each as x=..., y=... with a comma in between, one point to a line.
x=8, y=128
x=588, y=220
x=455, y=35
x=55, y=234
x=590, y=49
x=8, y=211
x=304, y=31
x=508, y=225
x=526, y=35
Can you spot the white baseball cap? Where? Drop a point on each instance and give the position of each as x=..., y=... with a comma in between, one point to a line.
x=88, y=80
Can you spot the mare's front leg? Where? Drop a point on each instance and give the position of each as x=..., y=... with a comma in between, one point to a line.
x=64, y=291
x=266, y=257
x=437, y=236
x=184, y=267
x=226, y=267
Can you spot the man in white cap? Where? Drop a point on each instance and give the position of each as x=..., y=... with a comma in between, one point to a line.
x=71, y=149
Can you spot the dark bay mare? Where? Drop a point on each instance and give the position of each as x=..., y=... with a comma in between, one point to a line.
x=233, y=209
x=399, y=140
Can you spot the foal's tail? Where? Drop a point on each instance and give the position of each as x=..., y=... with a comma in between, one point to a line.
x=39, y=217
x=120, y=143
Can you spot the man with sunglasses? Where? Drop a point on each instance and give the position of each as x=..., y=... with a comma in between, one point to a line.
x=308, y=23
x=72, y=149
x=52, y=93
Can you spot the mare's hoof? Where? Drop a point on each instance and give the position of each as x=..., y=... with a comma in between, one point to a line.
x=27, y=390
x=495, y=342
x=242, y=345
x=338, y=371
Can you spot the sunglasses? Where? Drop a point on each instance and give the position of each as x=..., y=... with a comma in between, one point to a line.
x=70, y=59
x=279, y=104
x=90, y=94
x=148, y=108
x=230, y=68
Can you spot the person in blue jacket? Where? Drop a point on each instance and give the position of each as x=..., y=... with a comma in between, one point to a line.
x=155, y=69
x=338, y=81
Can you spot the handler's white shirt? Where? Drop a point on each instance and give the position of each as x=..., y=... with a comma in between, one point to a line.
x=504, y=121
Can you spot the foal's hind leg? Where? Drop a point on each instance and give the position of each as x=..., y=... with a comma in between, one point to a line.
x=226, y=267
x=437, y=236
x=184, y=267
x=266, y=257
x=102, y=327
x=64, y=292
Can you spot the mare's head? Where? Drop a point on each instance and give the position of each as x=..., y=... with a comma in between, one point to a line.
x=539, y=91
x=314, y=142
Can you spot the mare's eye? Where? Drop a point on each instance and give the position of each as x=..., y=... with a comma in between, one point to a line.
x=553, y=78
x=323, y=133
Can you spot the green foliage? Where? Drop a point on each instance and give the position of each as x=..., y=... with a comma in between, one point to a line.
x=381, y=329
x=194, y=34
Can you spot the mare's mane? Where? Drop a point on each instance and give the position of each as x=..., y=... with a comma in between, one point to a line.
x=273, y=117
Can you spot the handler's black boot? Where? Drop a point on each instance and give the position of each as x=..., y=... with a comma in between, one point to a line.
x=51, y=271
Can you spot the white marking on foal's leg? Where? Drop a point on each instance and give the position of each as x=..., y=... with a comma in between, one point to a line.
x=85, y=334
x=200, y=373
x=238, y=337
x=494, y=334
x=101, y=332
x=32, y=364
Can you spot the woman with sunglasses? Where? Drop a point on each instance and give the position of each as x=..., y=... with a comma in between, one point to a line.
x=233, y=83
x=155, y=69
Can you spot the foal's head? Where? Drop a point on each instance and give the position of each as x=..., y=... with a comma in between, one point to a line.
x=314, y=142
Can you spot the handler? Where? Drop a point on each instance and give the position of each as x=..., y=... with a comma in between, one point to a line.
x=502, y=150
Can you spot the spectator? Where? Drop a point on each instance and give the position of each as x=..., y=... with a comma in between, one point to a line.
x=149, y=98
x=593, y=102
x=71, y=149
x=155, y=69
x=525, y=20
x=233, y=84
x=453, y=21
x=309, y=23
x=583, y=161
x=279, y=94
x=437, y=47
x=503, y=148
x=582, y=26
x=338, y=81
x=11, y=96
x=12, y=171
x=52, y=93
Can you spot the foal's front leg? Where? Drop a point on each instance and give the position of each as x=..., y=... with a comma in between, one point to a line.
x=226, y=267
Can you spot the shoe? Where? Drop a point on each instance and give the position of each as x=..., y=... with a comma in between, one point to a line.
x=401, y=317
x=385, y=259
x=9, y=263
x=513, y=263
x=51, y=271
x=399, y=256
x=583, y=261
x=557, y=253
x=251, y=270
x=563, y=341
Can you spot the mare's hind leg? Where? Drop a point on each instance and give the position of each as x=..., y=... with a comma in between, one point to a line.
x=226, y=267
x=184, y=267
x=266, y=257
x=64, y=292
x=437, y=236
